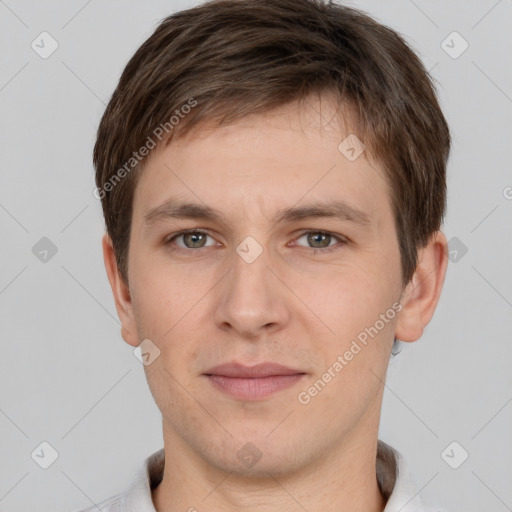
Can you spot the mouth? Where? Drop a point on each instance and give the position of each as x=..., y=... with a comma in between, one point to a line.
x=252, y=382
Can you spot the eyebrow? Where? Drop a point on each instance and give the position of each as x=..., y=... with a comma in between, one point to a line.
x=176, y=209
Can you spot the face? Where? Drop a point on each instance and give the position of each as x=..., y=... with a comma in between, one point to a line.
x=290, y=257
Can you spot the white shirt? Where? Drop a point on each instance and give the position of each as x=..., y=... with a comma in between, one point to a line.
x=398, y=485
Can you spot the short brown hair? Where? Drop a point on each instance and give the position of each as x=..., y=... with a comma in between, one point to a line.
x=231, y=58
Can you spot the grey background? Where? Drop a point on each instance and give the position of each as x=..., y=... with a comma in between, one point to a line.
x=67, y=377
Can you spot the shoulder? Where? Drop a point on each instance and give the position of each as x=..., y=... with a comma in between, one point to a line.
x=112, y=504
x=405, y=494
x=137, y=497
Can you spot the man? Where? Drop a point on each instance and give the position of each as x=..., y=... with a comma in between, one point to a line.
x=272, y=176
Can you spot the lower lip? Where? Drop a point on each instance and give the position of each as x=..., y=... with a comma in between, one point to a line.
x=253, y=389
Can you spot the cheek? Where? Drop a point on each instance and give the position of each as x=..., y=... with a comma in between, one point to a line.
x=163, y=293
x=355, y=358
x=169, y=310
x=357, y=307
x=350, y=300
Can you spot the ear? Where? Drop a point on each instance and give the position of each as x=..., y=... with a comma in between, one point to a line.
x=121, y=294
x=421, y=295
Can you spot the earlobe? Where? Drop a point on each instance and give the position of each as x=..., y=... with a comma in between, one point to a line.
x=422, y=293
x=121, y=293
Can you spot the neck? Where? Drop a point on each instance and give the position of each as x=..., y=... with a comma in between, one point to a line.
x=342, y=480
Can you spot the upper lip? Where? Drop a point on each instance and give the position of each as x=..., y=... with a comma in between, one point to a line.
x=251, y=372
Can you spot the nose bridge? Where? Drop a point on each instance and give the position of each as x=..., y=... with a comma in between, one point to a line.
x=251, y=300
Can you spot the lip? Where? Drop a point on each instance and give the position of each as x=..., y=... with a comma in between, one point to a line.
x=260, y=370
x=252, y=382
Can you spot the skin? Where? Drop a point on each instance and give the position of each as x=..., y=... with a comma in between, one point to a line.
x=293, y=305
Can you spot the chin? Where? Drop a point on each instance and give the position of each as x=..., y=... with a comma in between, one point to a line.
x=259, y=458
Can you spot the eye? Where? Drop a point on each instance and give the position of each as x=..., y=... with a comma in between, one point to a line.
x=322, y=240
x=192, y=239
x=318, y=241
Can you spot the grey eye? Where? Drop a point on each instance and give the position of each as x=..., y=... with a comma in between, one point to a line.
x=193, y=240
x=317, y=239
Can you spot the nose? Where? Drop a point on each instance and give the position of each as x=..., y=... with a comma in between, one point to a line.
x=252, y=299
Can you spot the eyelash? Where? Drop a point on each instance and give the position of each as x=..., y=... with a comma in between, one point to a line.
x=316, y=250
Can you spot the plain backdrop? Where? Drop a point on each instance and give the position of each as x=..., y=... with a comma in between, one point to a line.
x=66, y=376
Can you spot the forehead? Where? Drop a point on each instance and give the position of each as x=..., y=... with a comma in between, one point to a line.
x=288, y=156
